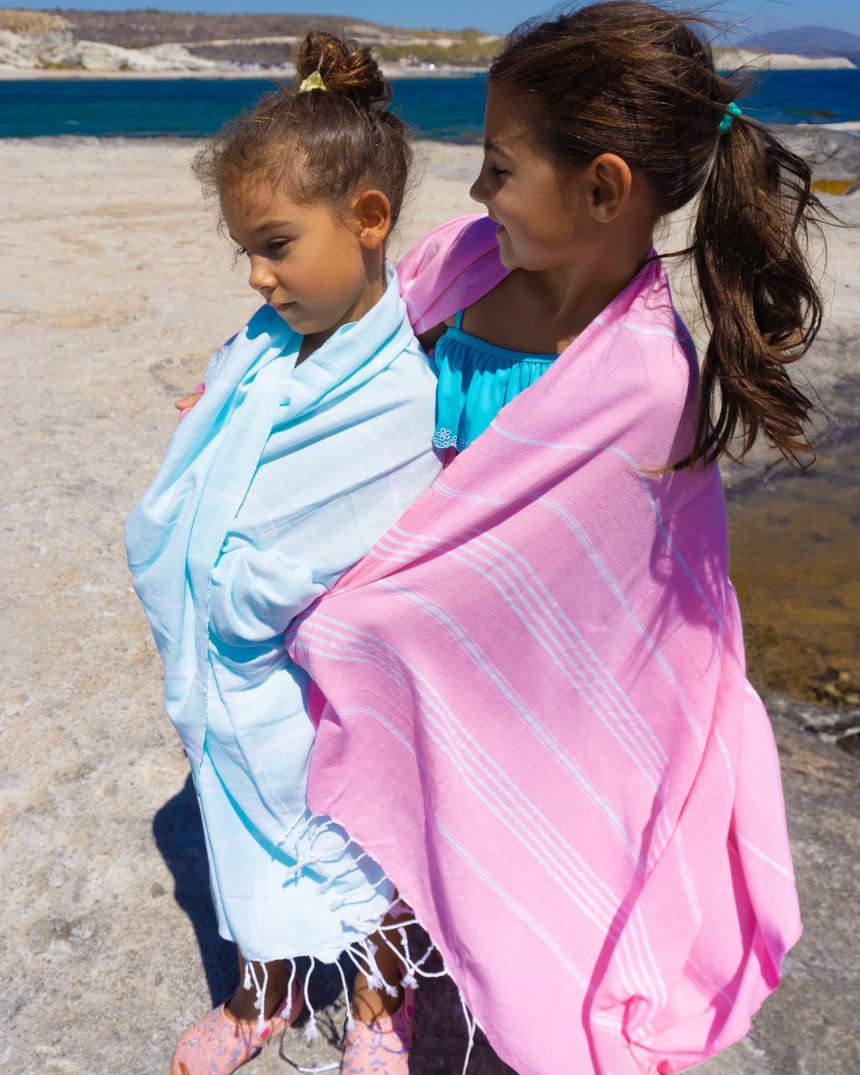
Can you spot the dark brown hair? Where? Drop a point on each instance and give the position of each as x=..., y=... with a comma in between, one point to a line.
x=628, y=78
x=325, y=143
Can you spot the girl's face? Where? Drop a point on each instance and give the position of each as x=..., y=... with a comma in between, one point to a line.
x=536, y=205
x=308, y=263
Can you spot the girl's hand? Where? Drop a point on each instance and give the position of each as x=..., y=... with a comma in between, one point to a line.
x=188, y=402
x=185, y=405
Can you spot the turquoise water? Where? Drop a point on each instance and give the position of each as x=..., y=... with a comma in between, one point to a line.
x=449, y=109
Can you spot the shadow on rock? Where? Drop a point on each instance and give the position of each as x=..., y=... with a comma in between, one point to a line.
x=178, y=832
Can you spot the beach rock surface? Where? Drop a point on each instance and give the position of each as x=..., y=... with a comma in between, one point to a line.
x=115, y=287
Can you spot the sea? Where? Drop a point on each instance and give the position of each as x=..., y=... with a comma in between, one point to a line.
x=436, y=108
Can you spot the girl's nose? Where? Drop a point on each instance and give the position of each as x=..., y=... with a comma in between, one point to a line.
x=260, y=278
x=478, y=190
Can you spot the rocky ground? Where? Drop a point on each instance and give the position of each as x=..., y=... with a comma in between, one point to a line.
x=115, y=286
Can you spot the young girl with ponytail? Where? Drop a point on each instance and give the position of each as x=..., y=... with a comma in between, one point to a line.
x=574, y=787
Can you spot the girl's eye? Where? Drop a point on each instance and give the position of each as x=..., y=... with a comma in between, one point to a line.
x=498, y=172
x=241, y=251
x=278, y=246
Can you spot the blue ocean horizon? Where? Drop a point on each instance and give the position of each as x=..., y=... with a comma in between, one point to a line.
x=436, y=108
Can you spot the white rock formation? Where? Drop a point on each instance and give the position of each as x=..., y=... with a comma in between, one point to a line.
x=58, y=48
x=27, y=50
x=729, y=59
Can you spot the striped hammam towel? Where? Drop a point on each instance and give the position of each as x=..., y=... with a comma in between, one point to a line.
x=283, y=476
x=533, y=712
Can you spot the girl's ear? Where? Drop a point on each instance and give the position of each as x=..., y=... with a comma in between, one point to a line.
x=373, y=218
x=610, y=182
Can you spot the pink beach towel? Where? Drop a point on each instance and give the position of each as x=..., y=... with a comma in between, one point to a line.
x=533, y=709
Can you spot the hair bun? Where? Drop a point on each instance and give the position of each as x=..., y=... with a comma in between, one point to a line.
x=344, y=67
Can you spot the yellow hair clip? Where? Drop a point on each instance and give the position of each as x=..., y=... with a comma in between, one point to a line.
x=312, y=82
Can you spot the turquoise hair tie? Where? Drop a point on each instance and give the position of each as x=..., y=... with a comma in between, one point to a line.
x=732, y=110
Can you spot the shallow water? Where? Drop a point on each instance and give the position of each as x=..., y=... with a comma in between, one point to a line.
x=795, y=560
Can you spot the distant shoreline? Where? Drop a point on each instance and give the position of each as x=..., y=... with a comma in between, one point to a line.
x=727, y=60
x=69, y=74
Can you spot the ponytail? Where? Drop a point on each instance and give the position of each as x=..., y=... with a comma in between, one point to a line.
x=762, y=303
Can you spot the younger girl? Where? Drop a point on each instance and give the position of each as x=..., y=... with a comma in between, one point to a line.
x=575, y=788
x=313, y=437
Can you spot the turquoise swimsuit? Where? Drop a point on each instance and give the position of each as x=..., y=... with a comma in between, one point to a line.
x=476, y=379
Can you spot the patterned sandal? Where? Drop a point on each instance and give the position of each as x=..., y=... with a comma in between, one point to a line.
x=381, y=1047
x=217, y=1045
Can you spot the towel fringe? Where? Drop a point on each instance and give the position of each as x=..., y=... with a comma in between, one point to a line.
x=471, y=1024
x=413, y=966
x=259, y=991
x=311, y=1031
x=306, y=833
x=350, y=1022
x=288, y=1002
x=363, y=956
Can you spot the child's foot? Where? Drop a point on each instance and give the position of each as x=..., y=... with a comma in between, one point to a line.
x=381, y=1046
x=219, y=1044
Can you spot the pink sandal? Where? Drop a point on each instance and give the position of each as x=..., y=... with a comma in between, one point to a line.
x=217, y=1045
x=381, y=1047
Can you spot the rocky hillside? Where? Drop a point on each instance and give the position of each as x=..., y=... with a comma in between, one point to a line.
x=148, y=40
x=812, y=41
x=202, y=40
x=17, y=21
